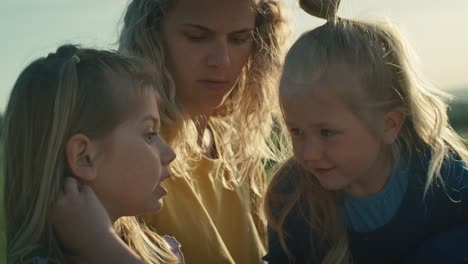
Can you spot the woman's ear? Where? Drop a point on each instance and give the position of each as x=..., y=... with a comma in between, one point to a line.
x=393, y=120
x=80, y=152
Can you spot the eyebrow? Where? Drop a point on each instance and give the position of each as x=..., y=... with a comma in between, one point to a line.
x=152, y=118
x=244, y=30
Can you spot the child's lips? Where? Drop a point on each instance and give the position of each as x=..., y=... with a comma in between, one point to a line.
x=159, y=187
x=165, y=174
x=162, y=190
x=321, y=171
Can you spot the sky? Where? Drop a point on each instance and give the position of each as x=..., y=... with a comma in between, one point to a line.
x=437, y=30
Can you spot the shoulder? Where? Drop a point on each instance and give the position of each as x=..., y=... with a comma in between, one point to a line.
x=448, y=196
x=447, y=247
x=455, y=171
x=454, y=176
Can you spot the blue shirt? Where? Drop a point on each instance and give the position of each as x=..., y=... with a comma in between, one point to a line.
x=410, y=232
x=365, y=214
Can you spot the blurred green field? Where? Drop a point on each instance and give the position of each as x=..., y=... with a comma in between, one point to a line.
x=2, y=233
x=464, y=134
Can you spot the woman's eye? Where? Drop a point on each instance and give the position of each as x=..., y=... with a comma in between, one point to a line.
x=296, y=132
x=241, y=39
x=195, y=37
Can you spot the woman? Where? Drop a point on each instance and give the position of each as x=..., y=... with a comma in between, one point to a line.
x=221, y=61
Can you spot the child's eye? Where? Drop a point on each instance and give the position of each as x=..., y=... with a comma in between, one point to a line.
x=296, y=132
x=150, y=136
x=327, y=132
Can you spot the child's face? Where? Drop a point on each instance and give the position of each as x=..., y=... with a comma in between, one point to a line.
x=133, y=162
x=328, y=139
x=207, y=43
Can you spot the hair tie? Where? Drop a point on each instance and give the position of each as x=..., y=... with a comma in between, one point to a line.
x=76, y=58
x=325, y=9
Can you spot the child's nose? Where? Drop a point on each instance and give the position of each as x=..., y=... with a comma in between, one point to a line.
x=167, y=155
x=312, y=150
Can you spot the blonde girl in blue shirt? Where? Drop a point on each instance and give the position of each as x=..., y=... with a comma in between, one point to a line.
x=377, y=168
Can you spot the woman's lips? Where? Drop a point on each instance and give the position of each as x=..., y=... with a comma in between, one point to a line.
x=214, y=85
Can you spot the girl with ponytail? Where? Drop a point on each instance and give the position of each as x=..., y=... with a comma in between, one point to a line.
x=378, y=173
x=83, y=157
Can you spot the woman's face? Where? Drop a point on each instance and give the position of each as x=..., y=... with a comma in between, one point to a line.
x=207, y=43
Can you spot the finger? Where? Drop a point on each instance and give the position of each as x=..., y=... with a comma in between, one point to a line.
x=60, y=195
x=70, y=186
x=87, y=191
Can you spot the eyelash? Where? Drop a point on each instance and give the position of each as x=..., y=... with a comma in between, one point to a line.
x=150, y=136
x=327, y=133
x=195, y=37
x=240, y=40
x=234, y=40
x=296, y=132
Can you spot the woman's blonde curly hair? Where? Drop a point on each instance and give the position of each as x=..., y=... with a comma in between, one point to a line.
x=247, y=118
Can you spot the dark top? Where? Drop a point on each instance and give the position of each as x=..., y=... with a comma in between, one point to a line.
x=420, y=225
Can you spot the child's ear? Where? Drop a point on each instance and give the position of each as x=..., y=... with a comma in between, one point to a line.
x=393, y=120
x=80, y=153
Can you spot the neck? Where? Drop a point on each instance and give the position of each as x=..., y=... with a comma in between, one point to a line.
x=376, y=176
x=201, y=124
x=205, y=140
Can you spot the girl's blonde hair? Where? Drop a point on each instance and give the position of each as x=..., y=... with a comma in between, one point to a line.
x=67, y=92
x=245, y=121
x=383, y=62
